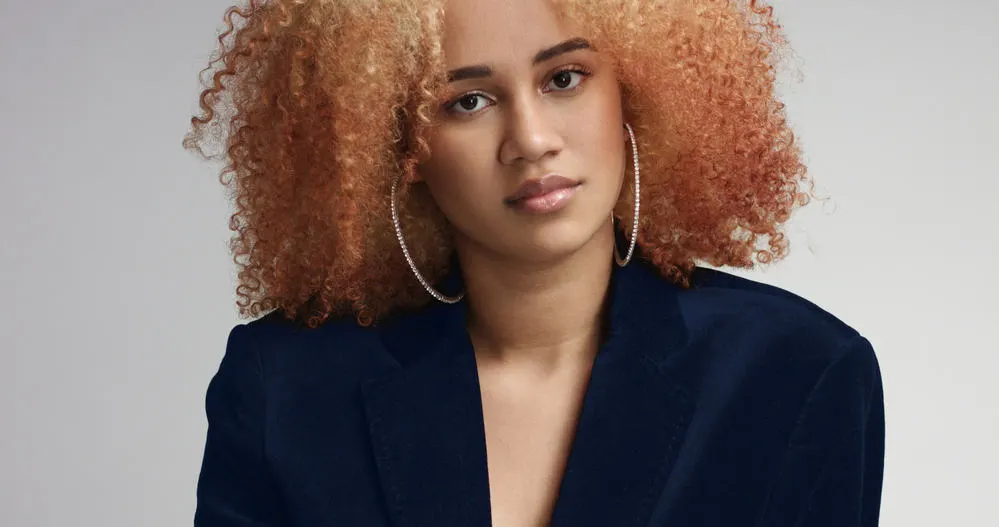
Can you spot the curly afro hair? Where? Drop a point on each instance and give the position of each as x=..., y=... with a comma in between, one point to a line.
x=316, y=105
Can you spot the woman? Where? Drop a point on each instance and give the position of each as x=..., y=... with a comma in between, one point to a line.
x=428, y=197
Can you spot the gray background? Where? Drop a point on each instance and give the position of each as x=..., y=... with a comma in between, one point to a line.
x=117, y=286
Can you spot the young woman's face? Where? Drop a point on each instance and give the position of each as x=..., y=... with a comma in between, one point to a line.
x=528, y=99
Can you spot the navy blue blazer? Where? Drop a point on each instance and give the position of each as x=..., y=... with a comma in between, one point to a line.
x=732, y=403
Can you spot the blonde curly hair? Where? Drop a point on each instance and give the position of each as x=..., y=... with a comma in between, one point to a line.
x=317, y=105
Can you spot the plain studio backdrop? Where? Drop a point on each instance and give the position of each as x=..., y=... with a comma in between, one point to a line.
x=117, y=285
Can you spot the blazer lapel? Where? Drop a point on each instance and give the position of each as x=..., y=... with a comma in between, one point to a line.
x=426, y=424
x=428, y=434
x=634, y=413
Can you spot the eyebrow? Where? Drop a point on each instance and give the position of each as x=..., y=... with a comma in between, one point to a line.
x=478, y=71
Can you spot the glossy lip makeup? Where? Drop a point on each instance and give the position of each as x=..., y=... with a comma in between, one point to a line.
x=541, y=196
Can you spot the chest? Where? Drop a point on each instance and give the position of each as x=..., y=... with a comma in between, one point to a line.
x=442, y=443
x=529, y=431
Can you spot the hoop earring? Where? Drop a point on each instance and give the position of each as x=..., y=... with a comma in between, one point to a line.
x=409, y=259
x=634, y=227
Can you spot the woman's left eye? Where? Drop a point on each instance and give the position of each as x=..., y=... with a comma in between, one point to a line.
x=568, y=79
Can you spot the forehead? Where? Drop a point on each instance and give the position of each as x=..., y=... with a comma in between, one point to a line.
x=500, y=32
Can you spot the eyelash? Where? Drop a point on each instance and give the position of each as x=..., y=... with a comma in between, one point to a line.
x=583, y=71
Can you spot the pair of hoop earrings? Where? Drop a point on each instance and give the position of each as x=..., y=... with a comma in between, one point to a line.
x=455, y=299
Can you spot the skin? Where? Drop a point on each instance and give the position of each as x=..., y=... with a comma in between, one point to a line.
x=536, y=284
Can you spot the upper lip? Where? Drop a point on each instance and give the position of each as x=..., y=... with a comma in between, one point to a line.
x=538, y=187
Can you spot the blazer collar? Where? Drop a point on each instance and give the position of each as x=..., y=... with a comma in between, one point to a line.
x=428, y=435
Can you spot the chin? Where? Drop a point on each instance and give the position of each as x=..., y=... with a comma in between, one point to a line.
x=557, y=240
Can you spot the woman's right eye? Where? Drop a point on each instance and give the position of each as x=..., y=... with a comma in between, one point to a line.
x=467, y=104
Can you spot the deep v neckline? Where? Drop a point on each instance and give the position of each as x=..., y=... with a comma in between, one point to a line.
x=427, y=427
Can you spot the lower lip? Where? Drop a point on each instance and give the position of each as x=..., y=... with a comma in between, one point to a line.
x=545, y=203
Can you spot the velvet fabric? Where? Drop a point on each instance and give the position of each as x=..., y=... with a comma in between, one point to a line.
x=732, y=403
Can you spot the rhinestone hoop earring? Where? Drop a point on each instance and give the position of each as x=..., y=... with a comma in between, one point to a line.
x=409, y=259
x=634, y=227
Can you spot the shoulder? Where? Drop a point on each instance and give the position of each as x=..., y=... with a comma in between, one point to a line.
x=776, y=324
x=717, y=296
x=288, y=352
x=767, y=350
x=273, y=332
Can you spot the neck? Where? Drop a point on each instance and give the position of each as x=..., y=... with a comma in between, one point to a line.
x=538, y=316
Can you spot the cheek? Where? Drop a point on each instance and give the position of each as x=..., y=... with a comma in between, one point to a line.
x=600, y=130
x=454, y=173
x=603, y=146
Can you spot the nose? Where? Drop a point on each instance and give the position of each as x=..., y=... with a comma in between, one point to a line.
x=531, y=133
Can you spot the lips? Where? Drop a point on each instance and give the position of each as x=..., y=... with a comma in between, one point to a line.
x=539, y=187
